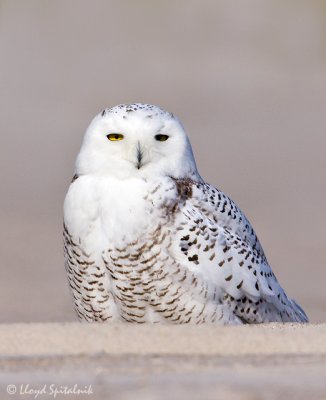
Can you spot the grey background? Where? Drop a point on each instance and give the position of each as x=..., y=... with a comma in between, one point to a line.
x=248, y=80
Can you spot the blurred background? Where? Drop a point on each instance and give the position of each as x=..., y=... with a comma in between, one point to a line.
x=248, y=80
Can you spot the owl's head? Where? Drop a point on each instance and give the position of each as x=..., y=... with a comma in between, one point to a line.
x=136, y=140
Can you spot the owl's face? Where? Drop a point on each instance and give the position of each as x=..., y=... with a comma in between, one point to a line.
x=136, y=140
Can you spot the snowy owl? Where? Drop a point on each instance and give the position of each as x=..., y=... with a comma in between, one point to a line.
x=147, y=240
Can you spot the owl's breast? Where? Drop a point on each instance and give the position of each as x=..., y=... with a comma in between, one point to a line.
x=104, y=212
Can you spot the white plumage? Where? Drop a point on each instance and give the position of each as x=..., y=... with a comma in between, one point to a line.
x=147, y=240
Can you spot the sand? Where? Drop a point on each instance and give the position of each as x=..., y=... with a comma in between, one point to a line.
x=124, y=361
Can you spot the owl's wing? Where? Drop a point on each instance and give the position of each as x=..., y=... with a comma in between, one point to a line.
x=217, y=241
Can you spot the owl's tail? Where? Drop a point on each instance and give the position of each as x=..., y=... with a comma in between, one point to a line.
x=299, y=314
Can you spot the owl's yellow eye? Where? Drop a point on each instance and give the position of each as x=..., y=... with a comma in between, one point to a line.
x=115, y=136
x=161, y=138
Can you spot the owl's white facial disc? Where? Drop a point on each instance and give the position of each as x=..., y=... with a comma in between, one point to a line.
x=136, y=140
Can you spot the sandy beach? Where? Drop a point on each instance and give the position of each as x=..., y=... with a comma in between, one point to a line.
x=164, y=362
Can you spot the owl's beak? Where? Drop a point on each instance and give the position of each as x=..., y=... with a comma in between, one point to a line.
x=139, y=155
